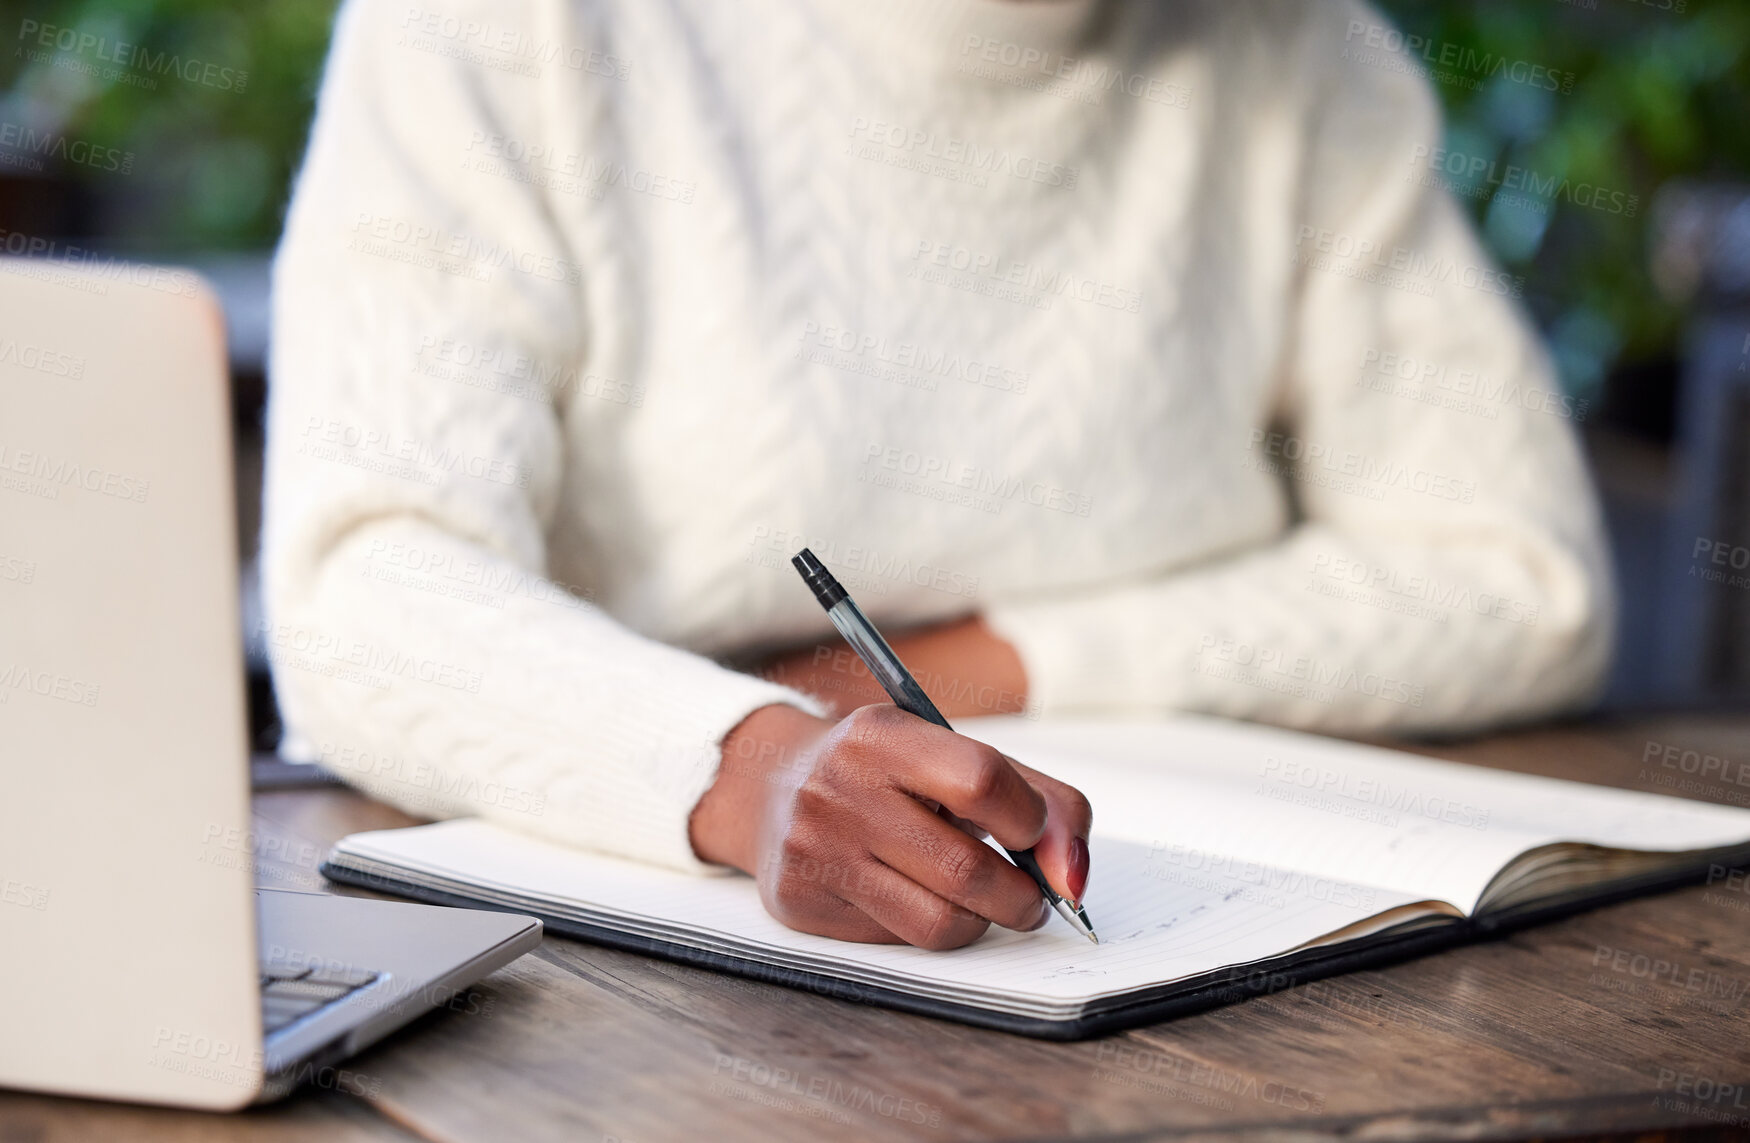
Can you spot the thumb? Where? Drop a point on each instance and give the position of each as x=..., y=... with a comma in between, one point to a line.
x=1062, y=850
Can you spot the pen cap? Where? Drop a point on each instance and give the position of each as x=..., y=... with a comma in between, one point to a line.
x=826, y=589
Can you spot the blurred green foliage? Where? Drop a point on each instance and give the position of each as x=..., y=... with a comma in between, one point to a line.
x=1654, y=90
x=212, y=162
x=1660, y=90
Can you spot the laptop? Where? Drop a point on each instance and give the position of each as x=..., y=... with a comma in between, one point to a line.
x=141, y=962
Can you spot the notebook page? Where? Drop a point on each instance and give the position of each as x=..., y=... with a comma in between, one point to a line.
x=1157, y=923
x=1203, y=792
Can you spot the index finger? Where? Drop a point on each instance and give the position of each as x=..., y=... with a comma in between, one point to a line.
x=976, y=783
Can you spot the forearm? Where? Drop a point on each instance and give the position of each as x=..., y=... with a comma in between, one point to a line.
x=964, y=666
x=469, y=685
x=1330, y=630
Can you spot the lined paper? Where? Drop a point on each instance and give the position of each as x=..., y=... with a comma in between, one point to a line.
x=1212, y=849
x=1156, y=924
x=1343, y=810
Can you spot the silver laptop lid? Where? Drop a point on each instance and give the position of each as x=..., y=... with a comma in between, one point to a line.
x=127, y=931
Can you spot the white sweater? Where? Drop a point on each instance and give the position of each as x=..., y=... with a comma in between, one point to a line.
x=1143, y=329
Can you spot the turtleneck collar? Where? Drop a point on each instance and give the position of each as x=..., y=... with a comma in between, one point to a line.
x=943, y=37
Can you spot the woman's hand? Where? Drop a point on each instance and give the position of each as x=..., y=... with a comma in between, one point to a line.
x=868, y=829
x=964, y=666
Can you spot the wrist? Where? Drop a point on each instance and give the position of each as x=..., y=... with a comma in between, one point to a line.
x=755, y=760
x=968, y=669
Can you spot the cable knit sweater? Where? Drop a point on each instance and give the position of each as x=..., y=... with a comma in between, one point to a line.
x=1145, y=330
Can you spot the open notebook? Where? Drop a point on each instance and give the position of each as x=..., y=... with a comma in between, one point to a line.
x=1227, y=859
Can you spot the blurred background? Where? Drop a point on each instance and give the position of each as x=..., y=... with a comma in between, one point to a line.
x=1630, y=225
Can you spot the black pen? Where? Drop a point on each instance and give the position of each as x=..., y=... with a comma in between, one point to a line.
x=908, y=696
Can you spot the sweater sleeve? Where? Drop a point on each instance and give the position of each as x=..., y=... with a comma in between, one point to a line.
x=1446, y=569
x=422, y=293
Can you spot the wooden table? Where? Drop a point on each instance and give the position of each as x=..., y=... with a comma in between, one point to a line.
x=1545, y=1033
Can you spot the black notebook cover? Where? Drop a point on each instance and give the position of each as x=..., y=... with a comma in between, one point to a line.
x=1114, y=1014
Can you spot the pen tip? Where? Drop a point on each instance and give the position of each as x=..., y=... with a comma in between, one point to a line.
x=1076, y=916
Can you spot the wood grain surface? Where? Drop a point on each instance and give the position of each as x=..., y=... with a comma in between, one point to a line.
x=1546, y=1033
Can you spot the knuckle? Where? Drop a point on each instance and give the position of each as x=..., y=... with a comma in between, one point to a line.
x=869, y=724
x=950, y=927
x=814, y=797
x=981, y=778
x=800, y=846
x=960, y=869
x=1076, y=804
x=1003, y=901
x=786, y=898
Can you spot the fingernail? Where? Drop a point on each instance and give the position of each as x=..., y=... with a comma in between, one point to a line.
x=1078, y=868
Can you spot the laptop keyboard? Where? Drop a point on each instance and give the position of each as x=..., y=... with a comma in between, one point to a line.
x=290, y=991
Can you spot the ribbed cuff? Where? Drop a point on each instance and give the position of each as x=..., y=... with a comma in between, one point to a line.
x=1061, y=653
